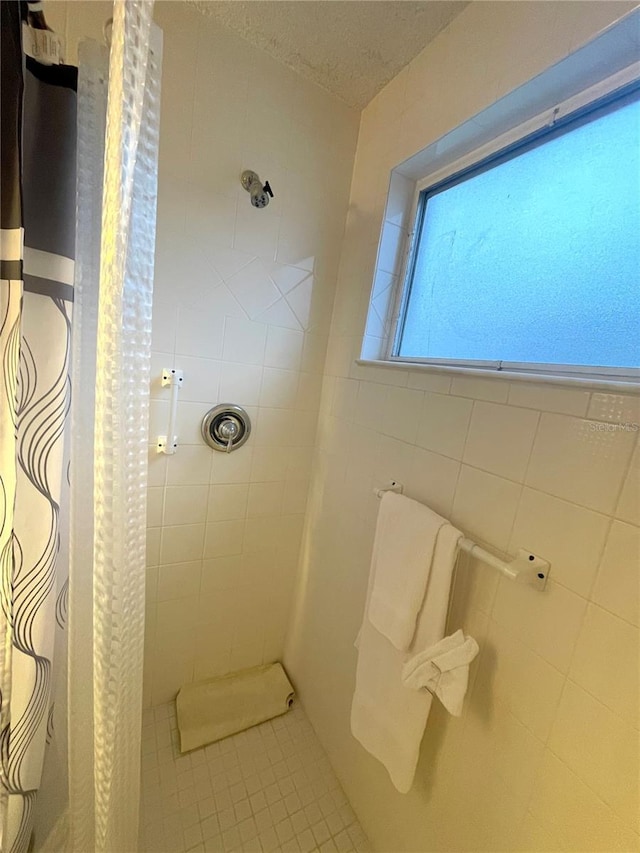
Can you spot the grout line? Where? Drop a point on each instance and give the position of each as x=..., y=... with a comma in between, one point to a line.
x=597, y=699
x=507, y=479
x=292, y=741
x=587, y=785
x=536, y=433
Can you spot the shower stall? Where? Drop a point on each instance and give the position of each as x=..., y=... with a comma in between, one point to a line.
x=152, y=538
x=202, y=253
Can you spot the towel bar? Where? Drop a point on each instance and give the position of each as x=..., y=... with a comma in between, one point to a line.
x=525, y=567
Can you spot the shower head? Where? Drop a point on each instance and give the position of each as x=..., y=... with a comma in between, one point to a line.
x=260, y=194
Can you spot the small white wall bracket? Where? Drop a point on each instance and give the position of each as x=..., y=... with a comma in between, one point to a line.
x=530, y=569
x=391, y=486
x=170, y=378
x=525, y=567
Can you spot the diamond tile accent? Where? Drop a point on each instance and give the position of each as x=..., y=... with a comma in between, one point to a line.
x=270, y=789
x=253, y=288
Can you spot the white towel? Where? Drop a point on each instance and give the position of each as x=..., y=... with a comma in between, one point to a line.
x=387, y=718
x=443, y=669
x=402, y=560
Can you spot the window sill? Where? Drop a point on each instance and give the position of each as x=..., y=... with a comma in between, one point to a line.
x=568, y=380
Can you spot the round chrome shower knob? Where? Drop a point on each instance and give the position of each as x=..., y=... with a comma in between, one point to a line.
x=226, y=427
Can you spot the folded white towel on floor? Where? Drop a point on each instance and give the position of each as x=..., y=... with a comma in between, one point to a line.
x=403, y=558
x=443, y=670
x=387, y=718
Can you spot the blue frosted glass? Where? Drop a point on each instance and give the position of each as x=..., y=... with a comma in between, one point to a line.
x=538, y=258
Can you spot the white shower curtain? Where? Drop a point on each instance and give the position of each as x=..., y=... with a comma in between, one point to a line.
x=109, y=428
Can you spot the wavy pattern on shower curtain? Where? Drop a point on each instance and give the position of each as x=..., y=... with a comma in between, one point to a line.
x=42, y=406
x=36, y=385
x=11, y=236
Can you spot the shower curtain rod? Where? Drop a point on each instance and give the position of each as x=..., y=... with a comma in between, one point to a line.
x=525, y=567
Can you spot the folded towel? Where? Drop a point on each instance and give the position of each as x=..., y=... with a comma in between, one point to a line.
x=403, y=557
x=216, y=708
x=387, y=718
x=443, y=669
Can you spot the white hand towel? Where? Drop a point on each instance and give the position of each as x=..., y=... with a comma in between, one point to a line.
x=387, y=718
x=443, y=669
x=402, y=560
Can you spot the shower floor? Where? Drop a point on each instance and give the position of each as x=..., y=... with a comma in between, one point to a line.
x=267, y=789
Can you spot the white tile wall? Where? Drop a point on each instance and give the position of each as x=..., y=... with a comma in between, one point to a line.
x=545, y=755
x=242, y=305
x=573, y=459
x=540, y=653
x=616, y=588
x=443, y=425
x=500, y=439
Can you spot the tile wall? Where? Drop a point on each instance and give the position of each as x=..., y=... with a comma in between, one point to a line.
x=242, y=304
x=545, y=755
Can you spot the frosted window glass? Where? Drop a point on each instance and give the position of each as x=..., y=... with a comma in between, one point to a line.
x=538, y=258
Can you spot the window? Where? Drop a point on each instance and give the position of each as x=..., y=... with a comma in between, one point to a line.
x=531, y=258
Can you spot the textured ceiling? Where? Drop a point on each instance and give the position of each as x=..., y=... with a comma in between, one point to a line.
x=349, y=47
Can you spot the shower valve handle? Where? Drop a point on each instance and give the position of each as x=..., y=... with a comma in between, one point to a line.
x=267, y=189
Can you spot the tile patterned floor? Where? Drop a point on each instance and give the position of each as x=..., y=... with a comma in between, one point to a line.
x=265, y=790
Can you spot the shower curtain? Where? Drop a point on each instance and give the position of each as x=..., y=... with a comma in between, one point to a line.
x=110, y=342
x=111, y=371
x=38, y=169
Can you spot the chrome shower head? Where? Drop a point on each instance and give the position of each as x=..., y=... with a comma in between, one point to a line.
x=260, y=194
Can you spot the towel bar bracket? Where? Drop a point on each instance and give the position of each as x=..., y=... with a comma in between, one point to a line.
x=525, y=567
x=531, y=569
x=392, y=486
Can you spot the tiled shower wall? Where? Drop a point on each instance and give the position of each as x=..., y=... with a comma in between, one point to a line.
x=242, y=304
x=545, y=755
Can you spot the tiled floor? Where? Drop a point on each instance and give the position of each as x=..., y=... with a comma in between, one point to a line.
x=267, y=789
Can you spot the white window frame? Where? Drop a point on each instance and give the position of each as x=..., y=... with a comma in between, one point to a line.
x=609, y=89
x=607, y=86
